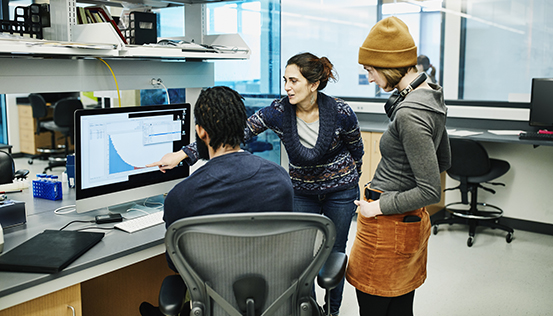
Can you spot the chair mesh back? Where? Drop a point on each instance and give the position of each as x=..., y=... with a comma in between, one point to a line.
x=281, y=256
x=221, y=260
x=468, y=158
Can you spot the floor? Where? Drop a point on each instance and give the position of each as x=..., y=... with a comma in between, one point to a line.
x=36, y=167
x=490, y=278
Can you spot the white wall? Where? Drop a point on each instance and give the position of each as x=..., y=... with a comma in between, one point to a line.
x=13, y=121
x=527, y=193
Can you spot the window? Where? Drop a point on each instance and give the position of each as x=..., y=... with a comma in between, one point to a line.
x=337, y=28
x=507, y=43
x=331, y=28
x=258, y=78
x=258, y=23
x=170, y=21
x=3, y=121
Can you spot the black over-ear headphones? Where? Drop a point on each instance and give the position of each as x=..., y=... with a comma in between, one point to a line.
x=397, y=97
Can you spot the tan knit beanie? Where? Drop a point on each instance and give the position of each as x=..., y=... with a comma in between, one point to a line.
x=389, y=45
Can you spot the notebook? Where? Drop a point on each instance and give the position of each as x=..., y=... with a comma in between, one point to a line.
x=49, y=252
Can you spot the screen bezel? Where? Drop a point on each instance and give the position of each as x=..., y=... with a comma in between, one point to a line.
x=138, y=186
x=535, y=118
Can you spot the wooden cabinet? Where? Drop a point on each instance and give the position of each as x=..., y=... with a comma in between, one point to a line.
x=28, y=140
x=119, y=292
x=59, y=303
x=371, y=158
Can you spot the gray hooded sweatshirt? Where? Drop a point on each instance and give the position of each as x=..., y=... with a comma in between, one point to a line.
x=415, y=150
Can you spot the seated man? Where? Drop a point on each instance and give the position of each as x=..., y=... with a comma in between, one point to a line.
x=233, y=180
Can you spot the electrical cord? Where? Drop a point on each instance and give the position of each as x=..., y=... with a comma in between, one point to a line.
x=137, y=209
x=157, y=82
x=114, y=78
x=72, y=208
x=77, y=221
x=94, y=227
x=166, y=92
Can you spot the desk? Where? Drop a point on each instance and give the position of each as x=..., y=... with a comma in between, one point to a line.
x=112, y=278
x=484, y=136
x=527, y=191
x=6, y=147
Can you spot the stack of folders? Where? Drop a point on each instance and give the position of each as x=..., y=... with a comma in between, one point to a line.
x=98, y=14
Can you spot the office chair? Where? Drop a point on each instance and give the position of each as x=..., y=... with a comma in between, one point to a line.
x=7, y=169
x=471, y=166
x=251, y=264
x=40, y=111
x=64, y=122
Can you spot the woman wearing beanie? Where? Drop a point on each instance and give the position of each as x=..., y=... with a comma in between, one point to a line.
x=388, y=258
x=323, y=141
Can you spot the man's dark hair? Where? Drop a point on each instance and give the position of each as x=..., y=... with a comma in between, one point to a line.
x=221, y=112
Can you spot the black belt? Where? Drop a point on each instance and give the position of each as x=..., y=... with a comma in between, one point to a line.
x=371, y=194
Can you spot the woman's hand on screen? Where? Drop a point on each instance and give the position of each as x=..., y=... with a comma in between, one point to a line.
x=169, y=161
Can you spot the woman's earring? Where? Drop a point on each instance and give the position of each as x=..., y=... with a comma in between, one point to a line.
x=312, y=99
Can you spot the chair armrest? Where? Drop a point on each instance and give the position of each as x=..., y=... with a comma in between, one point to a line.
x=171, y=295
x=333, y=270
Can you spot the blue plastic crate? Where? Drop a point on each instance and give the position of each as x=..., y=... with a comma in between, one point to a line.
x=47, y=190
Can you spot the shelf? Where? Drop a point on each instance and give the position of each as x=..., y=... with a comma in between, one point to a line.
x=29, y=48
x=153, y=3
x=66, y=61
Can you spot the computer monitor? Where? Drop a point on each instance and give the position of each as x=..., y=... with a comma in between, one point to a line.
x=113, y=145
x=541, y=105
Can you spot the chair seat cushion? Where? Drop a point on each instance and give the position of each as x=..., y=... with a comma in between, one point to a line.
x=50, y=125
x=497, y=169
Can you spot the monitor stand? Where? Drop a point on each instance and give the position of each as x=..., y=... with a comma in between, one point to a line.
x=139, y=207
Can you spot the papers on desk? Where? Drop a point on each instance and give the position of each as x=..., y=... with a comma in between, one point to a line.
x=505, y=132
x=454, y=132
x=193, y=47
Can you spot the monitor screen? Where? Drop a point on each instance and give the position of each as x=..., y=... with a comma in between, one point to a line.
x=541, y=105
x=113, y=145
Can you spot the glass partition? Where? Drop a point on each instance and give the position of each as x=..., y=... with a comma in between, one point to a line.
x=508, y=42
x=3, y=121
x=258, y=78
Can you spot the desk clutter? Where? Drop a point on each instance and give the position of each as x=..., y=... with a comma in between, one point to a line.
x=27, y=22
x=49, y=252
x=12, y=213
x=47, y=187
x=539, y=135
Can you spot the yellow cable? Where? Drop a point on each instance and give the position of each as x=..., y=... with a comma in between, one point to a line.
x=116, y=85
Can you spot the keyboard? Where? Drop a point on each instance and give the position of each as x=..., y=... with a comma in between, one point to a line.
x=535, y=136
x=140, y=223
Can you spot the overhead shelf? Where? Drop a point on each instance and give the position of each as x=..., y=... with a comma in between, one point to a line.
x=66, y=60
x=82, y=47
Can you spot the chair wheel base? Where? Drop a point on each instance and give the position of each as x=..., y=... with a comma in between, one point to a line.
x=509, y=237
x=476, y=214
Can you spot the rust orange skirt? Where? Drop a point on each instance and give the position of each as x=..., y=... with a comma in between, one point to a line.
x=388, y=257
